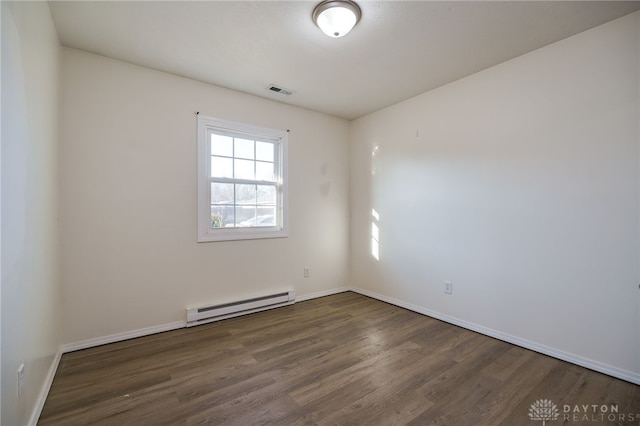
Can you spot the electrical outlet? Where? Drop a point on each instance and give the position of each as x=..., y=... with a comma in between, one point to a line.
x=20, y=380
x=306, y=272
x=448, y=287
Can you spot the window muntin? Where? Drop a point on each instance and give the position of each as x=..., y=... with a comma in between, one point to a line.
x=242, y=181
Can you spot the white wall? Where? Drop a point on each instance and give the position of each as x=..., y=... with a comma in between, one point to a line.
x=520, y=184
x=30, y=285
x=128, y=200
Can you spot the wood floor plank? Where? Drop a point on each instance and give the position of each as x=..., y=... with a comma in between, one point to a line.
x=335, y=382
x=496, y=406
x=344, y=359
x=392, y=386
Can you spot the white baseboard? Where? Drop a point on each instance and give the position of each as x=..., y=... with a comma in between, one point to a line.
x=321, y=294
x=609, y=370
x=44, y=391
x=118, y=337
x=89, y=343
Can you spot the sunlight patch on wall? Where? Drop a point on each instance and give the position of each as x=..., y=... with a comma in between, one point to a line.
x=375, y=234
x=373, y=159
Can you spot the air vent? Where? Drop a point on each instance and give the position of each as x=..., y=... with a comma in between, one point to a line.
x=281, y=90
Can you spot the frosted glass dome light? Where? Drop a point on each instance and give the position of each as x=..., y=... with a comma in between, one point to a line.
x=336, y=17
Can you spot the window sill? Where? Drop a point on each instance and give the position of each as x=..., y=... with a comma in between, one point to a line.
x=241, y=234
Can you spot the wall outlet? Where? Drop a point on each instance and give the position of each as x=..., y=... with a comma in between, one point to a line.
x=306, y=272
x=20, y=380
x=448, y=287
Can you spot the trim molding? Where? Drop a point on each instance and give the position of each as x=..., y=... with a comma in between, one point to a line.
x=44, y=391
x=113, y=338
x=609, y=370
x=89, y=343
x=322, y=293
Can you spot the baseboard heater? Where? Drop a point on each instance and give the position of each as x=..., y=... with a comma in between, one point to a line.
x=206, y=314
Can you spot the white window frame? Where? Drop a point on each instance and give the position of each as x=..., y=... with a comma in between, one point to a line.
x=207, y=125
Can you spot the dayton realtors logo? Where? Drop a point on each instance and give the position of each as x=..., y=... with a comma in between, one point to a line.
x=546, y=410
x=543, y=409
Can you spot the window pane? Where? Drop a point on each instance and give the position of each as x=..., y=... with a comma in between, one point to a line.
x=244, y=148
x=222, y=216
x=264, y=171
x=221, y=167
x=258, y=218
x=246, y=194
x=266, y=216
x=264, y=151
x=221, y=145
x=222, y=193
x=245, y=216
x=266, y=195
x=244, y=169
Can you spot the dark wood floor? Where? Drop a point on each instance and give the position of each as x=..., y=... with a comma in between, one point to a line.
x=343, y=359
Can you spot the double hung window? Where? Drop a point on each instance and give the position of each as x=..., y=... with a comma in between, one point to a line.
x=241, y=181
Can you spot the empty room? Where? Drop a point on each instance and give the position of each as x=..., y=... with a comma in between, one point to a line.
x=320, y=212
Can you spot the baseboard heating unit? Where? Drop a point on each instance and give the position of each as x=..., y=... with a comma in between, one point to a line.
x=205, y=314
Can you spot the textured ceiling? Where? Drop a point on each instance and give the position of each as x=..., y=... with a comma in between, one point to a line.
x=398, y=50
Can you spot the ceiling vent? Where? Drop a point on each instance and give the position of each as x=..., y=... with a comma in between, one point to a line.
x=281, y=90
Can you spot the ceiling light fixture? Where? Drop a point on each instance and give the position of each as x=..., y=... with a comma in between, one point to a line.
x=336, y=17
